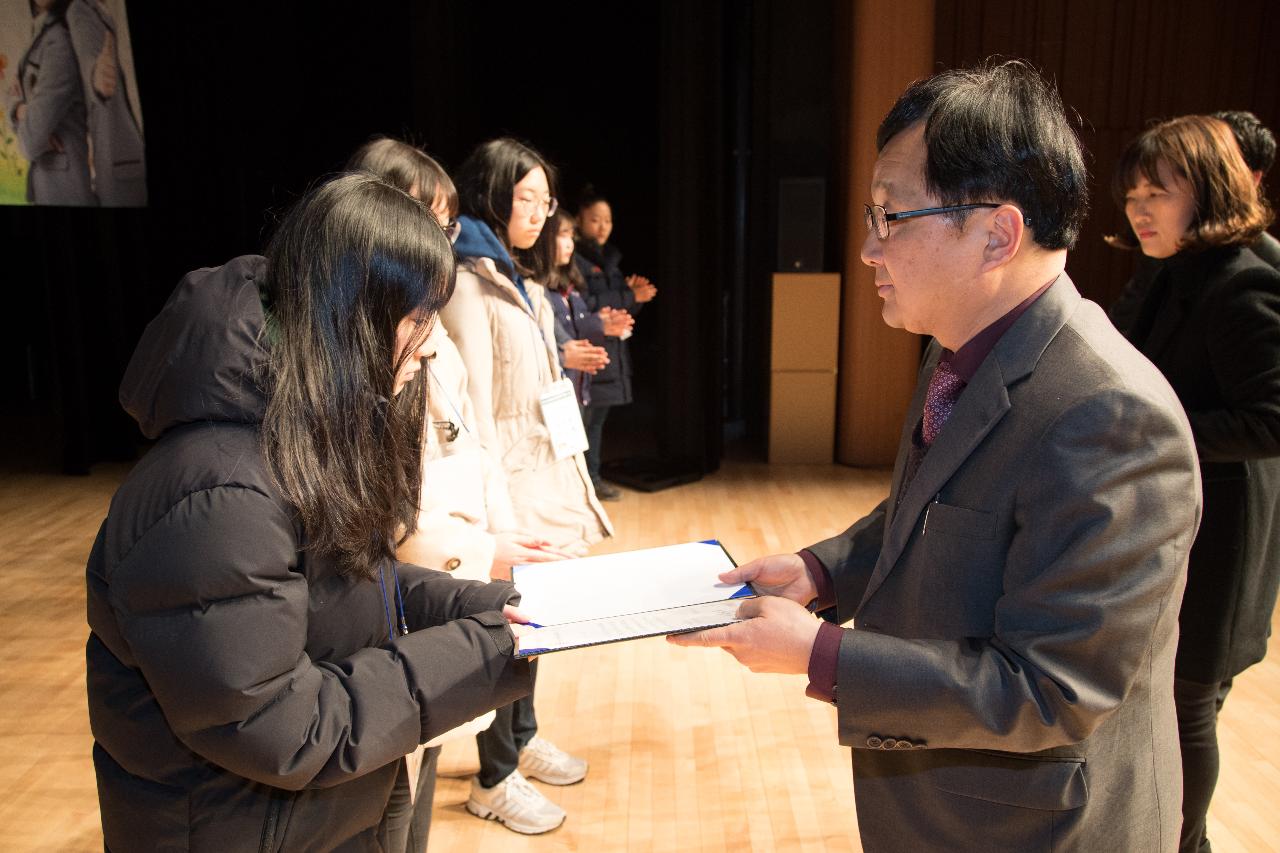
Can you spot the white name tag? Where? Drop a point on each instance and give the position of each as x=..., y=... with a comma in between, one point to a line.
x=563, y=419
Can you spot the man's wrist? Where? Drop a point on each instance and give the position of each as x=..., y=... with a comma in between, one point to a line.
x=824, y=663
x=824, y=589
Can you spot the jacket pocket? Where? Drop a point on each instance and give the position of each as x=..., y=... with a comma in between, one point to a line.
x=1048, y=784
x=960, y=521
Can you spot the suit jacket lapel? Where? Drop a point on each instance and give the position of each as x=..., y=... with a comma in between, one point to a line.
x=983, y=403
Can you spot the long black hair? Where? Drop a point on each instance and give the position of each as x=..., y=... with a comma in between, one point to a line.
x=486, y=187
x=351, y=260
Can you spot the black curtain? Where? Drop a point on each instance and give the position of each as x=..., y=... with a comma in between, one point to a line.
x=246, y=105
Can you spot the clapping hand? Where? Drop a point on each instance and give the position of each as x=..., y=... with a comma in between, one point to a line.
x=616, y=321
x=642, y=288
x=584, y=356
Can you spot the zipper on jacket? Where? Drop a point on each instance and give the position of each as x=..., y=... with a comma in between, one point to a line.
x=271, y=824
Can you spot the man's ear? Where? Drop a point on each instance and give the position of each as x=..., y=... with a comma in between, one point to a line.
x=1005, y=229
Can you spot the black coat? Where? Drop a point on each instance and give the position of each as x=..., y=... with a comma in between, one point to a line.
x=1123, y=312
x=1211, y=322
x=575, y=322
x=607, y=286
x=243, y=694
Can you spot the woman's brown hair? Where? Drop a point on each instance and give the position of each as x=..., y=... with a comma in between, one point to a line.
x=1230, y=211
x=406, y=168
x=351, y=260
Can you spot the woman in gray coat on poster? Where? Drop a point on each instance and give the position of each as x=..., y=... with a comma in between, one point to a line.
x=119, y=170
x=45, y=107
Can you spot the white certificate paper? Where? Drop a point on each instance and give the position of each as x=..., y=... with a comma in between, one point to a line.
x=626, y=596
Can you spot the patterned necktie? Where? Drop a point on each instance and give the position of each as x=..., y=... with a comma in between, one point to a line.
x=944, y=388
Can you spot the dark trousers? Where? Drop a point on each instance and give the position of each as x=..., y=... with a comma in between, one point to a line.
x=407, y=821
x=1198, y=706
x=499, y=745
x=593, y=418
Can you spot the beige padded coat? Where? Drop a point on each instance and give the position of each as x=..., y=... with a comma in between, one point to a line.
x=509, y=352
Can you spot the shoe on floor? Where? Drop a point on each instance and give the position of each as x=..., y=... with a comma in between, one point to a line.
x=515, y=804
x=607, y=491
x=543, y=760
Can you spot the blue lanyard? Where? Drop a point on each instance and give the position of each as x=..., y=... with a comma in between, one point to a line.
x=382, y=582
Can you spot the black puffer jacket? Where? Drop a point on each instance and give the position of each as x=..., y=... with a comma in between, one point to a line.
x=243, y=694
x=607, y=286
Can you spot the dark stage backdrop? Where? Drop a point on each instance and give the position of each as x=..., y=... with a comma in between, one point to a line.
x=247, y=104
x=688, y=115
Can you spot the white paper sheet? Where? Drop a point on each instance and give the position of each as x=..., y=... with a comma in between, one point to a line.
x=620, y=584
x=631, y=627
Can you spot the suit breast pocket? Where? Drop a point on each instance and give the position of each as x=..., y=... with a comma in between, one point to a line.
x=950, y=520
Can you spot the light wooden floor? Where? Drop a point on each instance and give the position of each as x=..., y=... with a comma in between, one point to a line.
x=688, y=750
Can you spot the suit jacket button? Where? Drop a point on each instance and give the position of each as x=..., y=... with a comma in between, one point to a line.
x=453, y=564
x=888, y=743
x=902, y=744
x=874, y=742
x=921, y=745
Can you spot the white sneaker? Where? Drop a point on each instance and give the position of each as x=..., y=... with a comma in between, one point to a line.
x=543, y=760
x=516, y=804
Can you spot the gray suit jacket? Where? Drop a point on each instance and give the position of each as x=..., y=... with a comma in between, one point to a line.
x=1009, y=682
x=119, y=170
x=49, y=84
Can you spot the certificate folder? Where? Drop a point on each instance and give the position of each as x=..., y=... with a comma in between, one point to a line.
x=615, y=597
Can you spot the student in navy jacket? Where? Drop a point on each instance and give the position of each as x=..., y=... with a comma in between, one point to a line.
x=606, y=287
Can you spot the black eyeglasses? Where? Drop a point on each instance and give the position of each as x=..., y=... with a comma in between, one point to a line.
x=878, y=218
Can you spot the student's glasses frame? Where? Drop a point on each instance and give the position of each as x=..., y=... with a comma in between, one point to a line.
x=529, y=206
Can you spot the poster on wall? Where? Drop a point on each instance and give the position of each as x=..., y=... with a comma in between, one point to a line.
x=71, y=131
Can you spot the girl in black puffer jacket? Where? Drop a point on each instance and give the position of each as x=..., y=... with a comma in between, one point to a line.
x=258, y=662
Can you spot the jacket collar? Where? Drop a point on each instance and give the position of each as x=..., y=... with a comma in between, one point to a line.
x=982, y=405
x=1186, y=274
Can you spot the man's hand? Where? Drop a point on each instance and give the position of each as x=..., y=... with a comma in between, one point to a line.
x=779, y=574
x=584, y=356
x=777, y=636
x=514, y=548
x=616, y=321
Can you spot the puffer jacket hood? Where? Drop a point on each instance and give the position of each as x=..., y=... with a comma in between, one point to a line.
x=204, y=355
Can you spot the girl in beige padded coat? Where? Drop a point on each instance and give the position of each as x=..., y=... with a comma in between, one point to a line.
x=503, y=326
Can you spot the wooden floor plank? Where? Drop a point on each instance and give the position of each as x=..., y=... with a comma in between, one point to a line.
x=688, y=750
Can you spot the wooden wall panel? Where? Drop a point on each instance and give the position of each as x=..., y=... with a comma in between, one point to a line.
x=892, y=45
x=1121, y=65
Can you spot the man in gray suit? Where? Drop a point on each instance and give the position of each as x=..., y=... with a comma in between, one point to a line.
x=1007, y=683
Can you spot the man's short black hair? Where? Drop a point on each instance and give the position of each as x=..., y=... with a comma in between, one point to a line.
x=1257, y=142
x=998, y=133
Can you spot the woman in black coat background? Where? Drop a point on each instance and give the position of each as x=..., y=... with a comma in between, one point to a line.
x=1211, y=323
